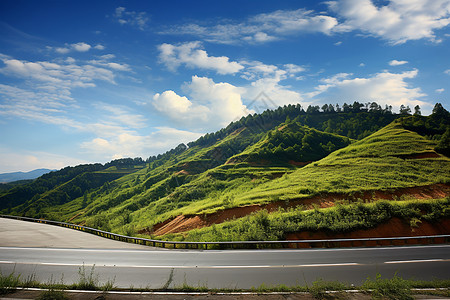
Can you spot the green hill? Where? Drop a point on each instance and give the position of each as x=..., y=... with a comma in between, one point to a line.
x=282, y=157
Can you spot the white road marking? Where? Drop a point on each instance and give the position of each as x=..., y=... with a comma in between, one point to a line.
x=412, y=261
x=330, y=265
x=64, y=264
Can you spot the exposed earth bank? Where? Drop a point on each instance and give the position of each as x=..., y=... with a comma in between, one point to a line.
x=184, y=223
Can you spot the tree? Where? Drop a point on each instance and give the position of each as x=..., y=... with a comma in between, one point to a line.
x=417, y=111
x=405, y=110
x=357, y=106
x=312, y=109
x=331, y=108
x=439, y=110
x=374, y=107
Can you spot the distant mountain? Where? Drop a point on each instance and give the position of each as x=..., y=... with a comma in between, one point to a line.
x=14, y=176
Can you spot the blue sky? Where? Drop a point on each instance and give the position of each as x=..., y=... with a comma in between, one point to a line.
x=91, y=81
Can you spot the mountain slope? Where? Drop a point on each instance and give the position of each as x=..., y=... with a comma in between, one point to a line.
x=394, y=163
x=257, y=162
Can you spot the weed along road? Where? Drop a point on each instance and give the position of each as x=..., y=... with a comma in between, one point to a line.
x=151, y=268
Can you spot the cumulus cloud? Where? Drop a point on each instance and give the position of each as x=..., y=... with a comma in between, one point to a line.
x=211, y=105
x=99, y=47
x=397, y=62
x=384, y=88
x=398, y=21
x=447, y=72
x=439, y=91
x=132, y=18
x=79, y=47
x=191, y=55
x=276, y=93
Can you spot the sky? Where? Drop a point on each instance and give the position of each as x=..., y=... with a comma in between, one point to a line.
x=92, y=81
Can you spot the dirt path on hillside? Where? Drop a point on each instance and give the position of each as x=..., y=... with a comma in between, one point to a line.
x=184, y=223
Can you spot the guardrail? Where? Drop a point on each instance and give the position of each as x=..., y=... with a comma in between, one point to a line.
x=328, y=243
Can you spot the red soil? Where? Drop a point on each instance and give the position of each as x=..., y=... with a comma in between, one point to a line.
x=182, y=172
x=299, y=163
x=185, y=223
x=395, y=227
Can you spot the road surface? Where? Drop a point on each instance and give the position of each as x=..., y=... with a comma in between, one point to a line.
x=150, y=268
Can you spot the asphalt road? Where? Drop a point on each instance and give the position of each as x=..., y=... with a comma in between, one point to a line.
x=223, y=269
x=15, y=233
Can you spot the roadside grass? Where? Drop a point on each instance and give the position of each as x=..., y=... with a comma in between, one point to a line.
x=52, y=294
x=393, y=288
x=379, y=288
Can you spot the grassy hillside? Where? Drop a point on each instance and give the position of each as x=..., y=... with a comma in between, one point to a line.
x=391, y=158
x=254, y=161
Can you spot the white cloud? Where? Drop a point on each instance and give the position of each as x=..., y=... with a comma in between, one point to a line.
x=180, y=108
x=81, y=47
x=261, y=28
x=259, y=37
x=118, y=115
x=439, y=91
x=293, y=69
x=362, y=64
x=64, y=75
x=191, y=55
x=45, y=93
x=62, y=50
x=447, y=72
x=99, y=47
x=210, y=105
x=132, y=18
x=256, y=70
x=270, y=87
x=135, y=145
x=398, y=21
x=104, y=62
x=384, y=88
x=397, y=62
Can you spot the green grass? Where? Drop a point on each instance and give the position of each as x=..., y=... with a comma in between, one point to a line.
x=198, y=181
